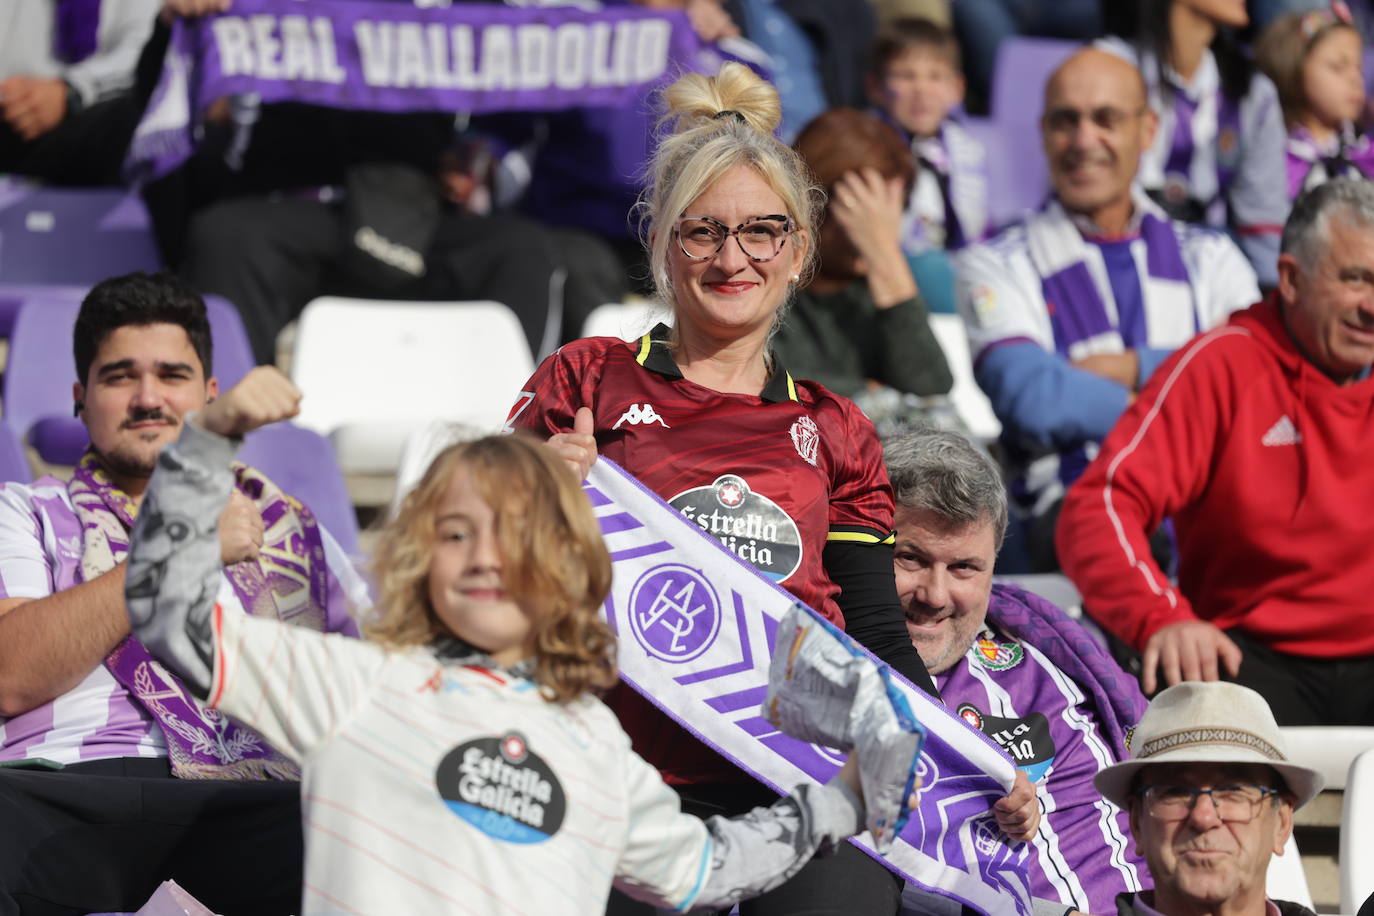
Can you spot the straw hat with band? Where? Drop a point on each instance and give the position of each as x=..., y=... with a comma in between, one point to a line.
x=1212, y=722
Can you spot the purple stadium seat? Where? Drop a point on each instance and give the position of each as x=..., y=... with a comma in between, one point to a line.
x=302, y=463
x=38, y=406
x=12, y=296
x=71, y=235
x=39, y=376
x=14, y=464
x=37, y=394
x=1018, y=80
x=1018, y=177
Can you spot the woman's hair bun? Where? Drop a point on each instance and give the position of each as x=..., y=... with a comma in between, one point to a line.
x=694, y=100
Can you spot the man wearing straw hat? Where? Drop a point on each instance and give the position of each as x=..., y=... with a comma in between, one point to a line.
x=1211, y=797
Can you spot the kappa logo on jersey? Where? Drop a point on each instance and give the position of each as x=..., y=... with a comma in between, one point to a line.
x=806, y=436
x=748, y=524
x=640, y=416
x=1282, y=433
x=997, y=656
x=501, y=787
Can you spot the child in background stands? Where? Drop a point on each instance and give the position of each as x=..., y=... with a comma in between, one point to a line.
x=1315, y=60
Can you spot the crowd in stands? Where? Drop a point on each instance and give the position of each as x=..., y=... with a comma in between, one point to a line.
x=1176, y=341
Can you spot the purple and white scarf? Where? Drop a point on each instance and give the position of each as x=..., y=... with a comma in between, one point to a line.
x=1178, y=180
x=1310, y=163
x=289, y=581
x=76, y=28
x=1083, y=312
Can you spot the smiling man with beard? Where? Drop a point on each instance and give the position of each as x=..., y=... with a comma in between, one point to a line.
x=1070, y=311
x=112, y=776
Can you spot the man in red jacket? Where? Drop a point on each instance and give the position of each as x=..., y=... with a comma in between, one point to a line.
x=1258, y=440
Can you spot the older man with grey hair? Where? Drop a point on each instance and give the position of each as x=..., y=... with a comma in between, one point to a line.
x=1256, y=439
x=1013, y=665
x=1211, y=793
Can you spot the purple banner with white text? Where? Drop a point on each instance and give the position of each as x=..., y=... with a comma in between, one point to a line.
x=696, y=626
x=385, y=56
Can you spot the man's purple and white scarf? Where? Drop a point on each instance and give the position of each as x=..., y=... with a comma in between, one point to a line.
x=289, y=582
x=1082, y=310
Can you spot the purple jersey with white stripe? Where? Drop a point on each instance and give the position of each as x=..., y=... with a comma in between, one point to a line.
x=1052, y=728
x=40, y=553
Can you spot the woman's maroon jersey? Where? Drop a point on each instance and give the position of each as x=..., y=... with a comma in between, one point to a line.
x=774, y=477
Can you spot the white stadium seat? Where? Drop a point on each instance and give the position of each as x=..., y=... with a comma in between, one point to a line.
x=1357, y=834
x=1285, y=879
x=374, y=372
x=626, y=320
x=968, y=398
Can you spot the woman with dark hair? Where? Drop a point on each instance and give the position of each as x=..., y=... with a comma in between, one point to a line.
x=1218, y=157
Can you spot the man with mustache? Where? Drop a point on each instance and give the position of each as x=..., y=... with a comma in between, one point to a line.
x=1014, y=666
x=1211, y=797
x=114, y=778
x=1071, y=310
x=1255, y=438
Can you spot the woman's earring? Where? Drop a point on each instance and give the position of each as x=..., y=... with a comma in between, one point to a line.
x=796, y=278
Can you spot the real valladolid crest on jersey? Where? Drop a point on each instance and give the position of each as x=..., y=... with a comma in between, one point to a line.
x=748, y=524
x=502, y=788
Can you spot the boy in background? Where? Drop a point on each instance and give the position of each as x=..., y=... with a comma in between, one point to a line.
x=915, y=82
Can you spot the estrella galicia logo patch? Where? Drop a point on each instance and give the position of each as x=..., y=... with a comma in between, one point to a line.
x=501, y=787
x=971, y=715
x=997, y=656
x=1027, y=739
x=748, y=524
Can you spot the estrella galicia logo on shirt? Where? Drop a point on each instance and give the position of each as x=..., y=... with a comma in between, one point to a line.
x=748, y=524
x=502, y=788
x=1027, y=739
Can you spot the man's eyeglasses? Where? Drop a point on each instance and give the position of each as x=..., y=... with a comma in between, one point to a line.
x=1108, y=118
x=760, y=238
x=1236, y=804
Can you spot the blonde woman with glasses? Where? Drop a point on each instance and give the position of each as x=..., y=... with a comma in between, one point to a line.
x=786, y=474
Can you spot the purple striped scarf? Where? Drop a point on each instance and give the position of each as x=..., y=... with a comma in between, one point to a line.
x=1079, y=314
x=289, y=581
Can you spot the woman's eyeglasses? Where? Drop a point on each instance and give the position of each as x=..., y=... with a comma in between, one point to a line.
x=760, y=238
